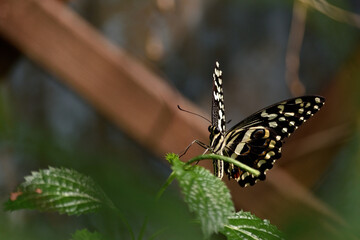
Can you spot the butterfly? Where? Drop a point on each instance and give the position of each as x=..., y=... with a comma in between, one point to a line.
x=257, y=140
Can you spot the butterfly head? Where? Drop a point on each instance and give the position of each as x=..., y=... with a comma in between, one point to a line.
x=214, y=130
x=216, y=139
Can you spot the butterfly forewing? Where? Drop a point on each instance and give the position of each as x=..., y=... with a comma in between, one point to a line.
x=217, y=128
x=218, y=108
x=257, y=140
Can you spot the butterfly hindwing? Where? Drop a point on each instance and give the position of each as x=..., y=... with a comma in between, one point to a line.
x=256, y=147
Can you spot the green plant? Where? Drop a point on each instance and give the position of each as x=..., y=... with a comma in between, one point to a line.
x=68, y=192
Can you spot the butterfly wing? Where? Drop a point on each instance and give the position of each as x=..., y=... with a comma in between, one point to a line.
x=256, y=141
x=217, y=128
x=218, y=108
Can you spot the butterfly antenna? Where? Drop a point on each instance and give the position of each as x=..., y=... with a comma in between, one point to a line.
x=193, y=113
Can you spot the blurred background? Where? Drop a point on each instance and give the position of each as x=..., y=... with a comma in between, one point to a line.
x=93, y=86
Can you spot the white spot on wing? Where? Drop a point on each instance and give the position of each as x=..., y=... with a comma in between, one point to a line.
x=273, y=124
x=217, y=72
x=281, y=107
x=298, y=101
x=272, y=116
x=272, y=144
x=282, y=119
x=244, y=175
x=261, y=162
x=269, y=154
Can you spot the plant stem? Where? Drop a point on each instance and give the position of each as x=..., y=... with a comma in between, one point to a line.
x=123, y=219
x=167, y=183
x=226, y=159
x=112, y=207
x=142, y=229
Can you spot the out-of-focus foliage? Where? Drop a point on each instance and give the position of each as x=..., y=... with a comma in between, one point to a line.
x=86, y=235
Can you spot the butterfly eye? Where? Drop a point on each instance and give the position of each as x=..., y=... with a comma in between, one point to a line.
x=213, y=130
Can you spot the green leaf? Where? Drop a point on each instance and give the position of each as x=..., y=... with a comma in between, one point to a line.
x=205, y=194
x=58, y=189
x=84, y=234
x=244, y=225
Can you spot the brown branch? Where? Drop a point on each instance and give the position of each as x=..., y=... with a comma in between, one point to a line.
x=296, y=37
x=292, y=189
x=125, y=91
x=320, y=140
x=333, y=12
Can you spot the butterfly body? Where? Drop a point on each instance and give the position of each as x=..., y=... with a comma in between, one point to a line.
x=257, y=140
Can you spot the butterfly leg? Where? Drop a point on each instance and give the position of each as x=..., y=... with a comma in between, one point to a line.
x=206, y=150
x=201, y=144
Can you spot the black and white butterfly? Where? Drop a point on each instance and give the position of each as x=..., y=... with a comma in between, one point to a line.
x=257, y=140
